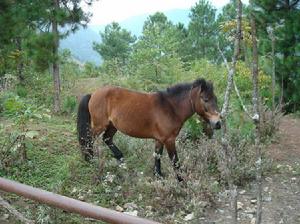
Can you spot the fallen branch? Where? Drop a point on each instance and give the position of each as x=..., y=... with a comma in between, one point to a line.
x=13, y=211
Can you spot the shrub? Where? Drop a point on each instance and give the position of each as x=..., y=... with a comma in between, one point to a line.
x=193, y=128
x=12, y=104
x=91, y=70
x=21, y=91
x=69, y=104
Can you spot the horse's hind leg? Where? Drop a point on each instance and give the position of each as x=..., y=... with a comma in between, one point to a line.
x=157, y=155
x=108, y=139
x=170, y=145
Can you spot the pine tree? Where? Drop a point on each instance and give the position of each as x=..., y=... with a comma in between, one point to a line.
x=157, y=50
x=34, y=28
x=203, y=30
x=116, y=43
x=284, y=17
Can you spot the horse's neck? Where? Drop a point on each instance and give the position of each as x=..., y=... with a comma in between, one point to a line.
x=183, y=108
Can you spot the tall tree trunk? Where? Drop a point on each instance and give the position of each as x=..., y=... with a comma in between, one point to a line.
x=273, y=75
x=20, y=66
x=237, y=47
x=55, y=65
x=228, y=155
x=256, y=119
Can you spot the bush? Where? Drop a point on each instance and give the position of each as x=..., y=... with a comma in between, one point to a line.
x=91, y=70
x=69, y=104
x=193, y=128
x=21, y=91
x=12, y=104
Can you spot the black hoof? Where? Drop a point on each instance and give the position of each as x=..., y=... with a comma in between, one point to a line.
x=158, y=175
x=120, y=160
x=179, y=178
x=87, y=157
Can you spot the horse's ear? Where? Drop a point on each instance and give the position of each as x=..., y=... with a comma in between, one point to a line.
x=201, y=83
x=202, y=86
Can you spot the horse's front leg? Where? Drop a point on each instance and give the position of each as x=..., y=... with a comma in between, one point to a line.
x=157, y=155
x=170, y=145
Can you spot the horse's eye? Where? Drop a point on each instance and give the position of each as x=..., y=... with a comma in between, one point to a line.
x=205, y=100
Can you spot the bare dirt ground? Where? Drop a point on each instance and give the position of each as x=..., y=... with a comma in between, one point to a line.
x=281, y=186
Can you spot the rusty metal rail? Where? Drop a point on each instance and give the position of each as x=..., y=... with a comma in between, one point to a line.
x=70, y=204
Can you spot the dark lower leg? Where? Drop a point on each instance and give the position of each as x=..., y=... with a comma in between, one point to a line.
x=157, y=156
x=87, y=150
x=174, y=158
x=108, y=139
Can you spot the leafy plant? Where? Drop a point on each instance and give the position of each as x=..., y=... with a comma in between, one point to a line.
x=21, y=91
x=69, y=104
x=12, y=104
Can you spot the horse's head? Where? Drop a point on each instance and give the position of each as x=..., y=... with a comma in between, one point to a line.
x=204, y=102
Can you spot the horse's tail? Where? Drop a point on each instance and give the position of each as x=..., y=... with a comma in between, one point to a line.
x=84, y=128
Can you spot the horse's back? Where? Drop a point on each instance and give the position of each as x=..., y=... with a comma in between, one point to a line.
x=131, y=112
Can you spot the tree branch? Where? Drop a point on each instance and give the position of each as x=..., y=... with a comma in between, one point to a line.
x=234, y=60
x=229, y=157
x=234, y=84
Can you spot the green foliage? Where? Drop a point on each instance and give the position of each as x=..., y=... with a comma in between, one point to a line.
x=202, y=30
x=227, y=26
x=212, y=72
x=116, y=43
x=21, y=91
x=159, y=38
x=155, y=61
x=69, y=104
x=40, y=50
x=243, y=80
x=112, y=68
x=283, y=17
x=12, y=105
x=40, y=88
x=21, y=109
x=91, y=70
x=193, y=128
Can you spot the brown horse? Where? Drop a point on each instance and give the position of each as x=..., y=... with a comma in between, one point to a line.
x=159, y=115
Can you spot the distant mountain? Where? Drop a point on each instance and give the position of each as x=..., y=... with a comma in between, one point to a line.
x=135, y=24
x=81, y=42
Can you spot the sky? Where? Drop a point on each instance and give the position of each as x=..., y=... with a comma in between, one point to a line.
x=107, y=11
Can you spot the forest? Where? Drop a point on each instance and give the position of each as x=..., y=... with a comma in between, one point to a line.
x=247, y=172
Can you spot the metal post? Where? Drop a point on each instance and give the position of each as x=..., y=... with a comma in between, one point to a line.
x=70, y=204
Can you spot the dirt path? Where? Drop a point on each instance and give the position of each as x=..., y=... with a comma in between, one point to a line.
x=281, y=188
x=284, y=187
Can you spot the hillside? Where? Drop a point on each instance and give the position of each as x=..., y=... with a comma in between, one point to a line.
x=135, y=24
x=81, y=45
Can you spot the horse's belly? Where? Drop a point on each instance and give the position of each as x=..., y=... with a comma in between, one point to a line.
x=139, y=128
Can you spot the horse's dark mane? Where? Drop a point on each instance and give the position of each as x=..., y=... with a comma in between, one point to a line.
x=181, y=88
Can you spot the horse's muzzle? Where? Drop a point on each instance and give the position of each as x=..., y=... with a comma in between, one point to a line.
x=216, y=124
